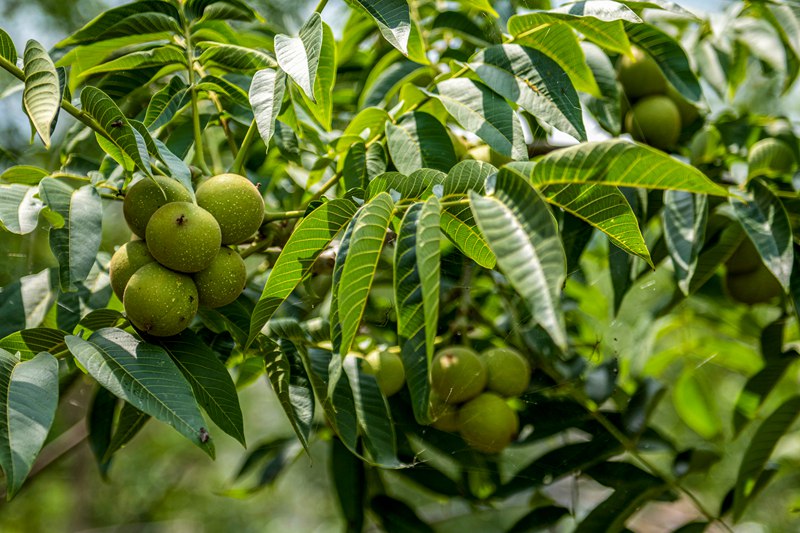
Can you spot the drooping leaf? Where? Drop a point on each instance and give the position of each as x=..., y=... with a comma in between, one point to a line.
x=417, y=141
x=621, y=163
x=129, y=422
x=292, y=386
x=349, y=480
x=685, y=217
x=266, y=96
x=145, y=376
x=310, y=237
x=373, y=415
x=759, y=451
x=669, y=56
x=535, y=82
x=24, y=303
x=321, y=105
x=99, y=106
x=42, y=95
x=523, y=235
x=396, y=516
x=299, y=56
x=75, y=245
x=359, y=268
x=416, y=289
x=393, y=20
x=483, y=112
x=210, y=380
x=612, y=513
x=767, y=225
x=539, y=519
x=28, y=401
x=100, y=424
x=23, y=175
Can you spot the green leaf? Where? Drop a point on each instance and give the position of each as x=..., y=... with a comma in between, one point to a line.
x=155, y=57
x=227, y=90
x=7, y=49
x=28, y=401
x=322, y=105
x=605, y=208
x=523, y=235
x=27, y=343
x=416, y=294
x=368, y=124
x=669, y=56
x=484, y=113
x=219, y=10
x=418, y=140
x=468, y=175
x=266, y=96
x=75, y=245
x=535, y=82
x=539, y=519
x=143, y=375
x=766, y=223
x=685, y=216
x=338, y=406
x=19, y=208
x=24, y=303
x=759, y=451
x=142, y=19
x=210, y=380
x=373, y=415
x=396, y=516
x=695, y=407
x=291, y=384
x=310, y=237
x=166, y=103
x=23, y=175
x=559, y=42
x=393, y=20
x=100, y=424
x=419, y=184
x=99, y=106
x=621, y=163
x=235, y=58
x=352, y=290
x=299, y=56
x=42, y=95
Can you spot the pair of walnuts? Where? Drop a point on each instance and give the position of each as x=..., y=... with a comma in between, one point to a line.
x=184, y=260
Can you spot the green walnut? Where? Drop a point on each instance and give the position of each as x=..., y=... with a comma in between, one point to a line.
x=509, y=373
x=654, y=120
x=458, y=374
x=221, y=282
x=745, y=259
x=160, y=302
x=387, y=367
x=640, y=75
x=130, y=257
x=183, y=237
x=758, y=286
x=236, y=204
x=444, y=415
x=487, y=423
x=770, y=157
x=145, y=196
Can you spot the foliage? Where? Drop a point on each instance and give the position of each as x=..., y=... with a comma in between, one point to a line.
x=600, y=258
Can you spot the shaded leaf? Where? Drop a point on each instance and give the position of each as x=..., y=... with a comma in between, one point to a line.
x=28, y=401
x=27, y=343
x=143, y=375
x=266, y=96
x=291, y=384
x=393, y=20
x=419, y=140
x=685, y=216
